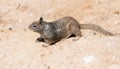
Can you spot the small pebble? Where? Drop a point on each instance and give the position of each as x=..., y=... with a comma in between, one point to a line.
x=42, y=55
x=1, y=56
x=20, y=20
x=113, y=57
x=88, y=59
x=117, y=22
x=114, y=66
x=18, y=6
x=10, y=28
x=31, y=14
x=117, y=12
x=24, y=30
x=109, y=44
x=48, y=67
x=94, y=33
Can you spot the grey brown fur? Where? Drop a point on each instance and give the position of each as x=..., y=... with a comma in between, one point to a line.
x=52, y=32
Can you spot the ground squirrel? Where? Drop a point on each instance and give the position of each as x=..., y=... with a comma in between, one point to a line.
x=52, y=32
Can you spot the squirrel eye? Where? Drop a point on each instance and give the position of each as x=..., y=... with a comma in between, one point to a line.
x=34, y=26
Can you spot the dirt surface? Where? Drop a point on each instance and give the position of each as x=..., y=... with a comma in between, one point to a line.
x=18, y=49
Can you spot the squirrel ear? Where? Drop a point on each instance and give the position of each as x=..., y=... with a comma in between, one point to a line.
x=41, y=19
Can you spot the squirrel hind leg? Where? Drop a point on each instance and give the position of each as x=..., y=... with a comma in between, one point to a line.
x=77, y=35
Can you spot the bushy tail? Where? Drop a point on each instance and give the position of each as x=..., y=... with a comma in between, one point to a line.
x=95, y=28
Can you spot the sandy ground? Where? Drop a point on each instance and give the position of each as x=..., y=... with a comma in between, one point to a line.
x=18, y=49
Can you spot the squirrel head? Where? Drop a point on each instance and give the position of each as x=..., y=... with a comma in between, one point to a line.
x=36, y=26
